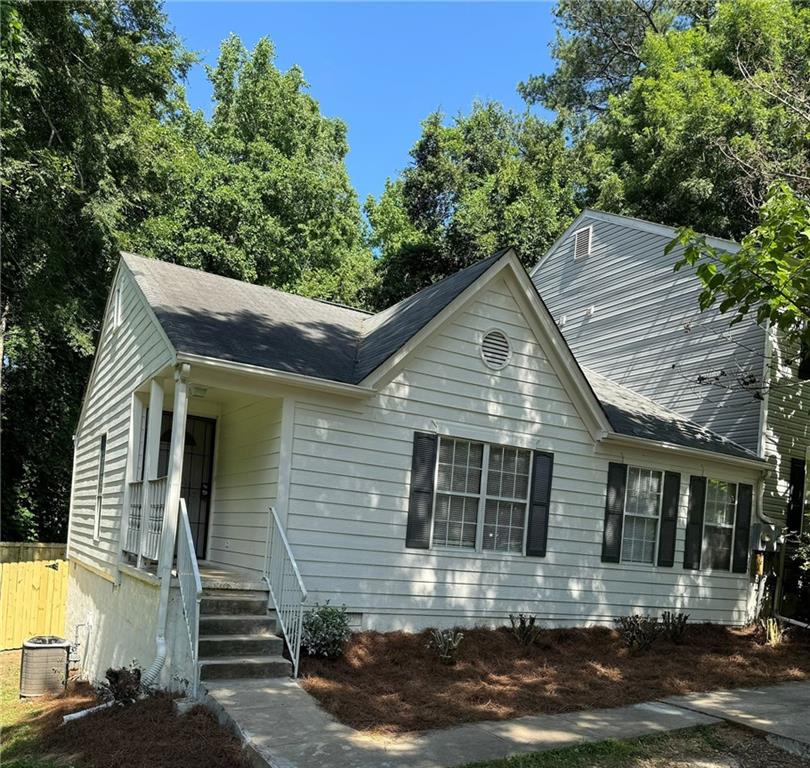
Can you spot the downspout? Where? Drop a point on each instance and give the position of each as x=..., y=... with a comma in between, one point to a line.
x=170, y=514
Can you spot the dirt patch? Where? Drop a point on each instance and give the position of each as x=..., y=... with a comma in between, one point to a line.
x=391, y=683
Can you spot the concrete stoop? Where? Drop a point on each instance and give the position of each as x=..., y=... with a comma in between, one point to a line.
x=237, y=637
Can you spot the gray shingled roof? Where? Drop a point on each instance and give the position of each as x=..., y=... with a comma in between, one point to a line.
x=630, y=413
x=226, y=319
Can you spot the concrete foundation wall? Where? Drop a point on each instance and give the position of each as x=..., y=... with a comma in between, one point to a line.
x=115, y=625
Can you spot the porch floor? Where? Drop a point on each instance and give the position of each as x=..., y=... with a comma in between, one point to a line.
x=219, y=576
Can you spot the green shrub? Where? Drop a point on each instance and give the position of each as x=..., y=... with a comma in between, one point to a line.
x=673, y=625
x=325, y=630
x=524, y=628
x=638, y=632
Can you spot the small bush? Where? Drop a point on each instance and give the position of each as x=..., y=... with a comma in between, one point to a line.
x=121, y=685
x=325, y=631
x=524, y=628
x=673, y=625
x=638, y=632
x=445, y=643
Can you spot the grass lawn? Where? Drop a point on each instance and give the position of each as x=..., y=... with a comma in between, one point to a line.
x=147, y=734
x=719, y=746
x=391, y=683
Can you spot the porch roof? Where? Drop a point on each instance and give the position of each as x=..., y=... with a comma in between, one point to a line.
x=226, y=319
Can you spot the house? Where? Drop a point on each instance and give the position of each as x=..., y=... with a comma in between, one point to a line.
x=446, y=461
x=626, y=313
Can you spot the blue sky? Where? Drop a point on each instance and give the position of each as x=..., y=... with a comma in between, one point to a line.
x=381, y=67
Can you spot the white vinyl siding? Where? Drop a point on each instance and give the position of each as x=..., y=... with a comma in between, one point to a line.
x=350, y=482
x=245, y=482
x=718, y=524
x=642, y=512
x=126, y=357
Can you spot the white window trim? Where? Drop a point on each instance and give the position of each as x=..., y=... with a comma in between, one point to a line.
x=482, y=497
x=654, y=562
x=589, y=230
x=733, y=526
x=102, y=460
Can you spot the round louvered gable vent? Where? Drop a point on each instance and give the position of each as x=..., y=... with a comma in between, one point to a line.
x=495, y=349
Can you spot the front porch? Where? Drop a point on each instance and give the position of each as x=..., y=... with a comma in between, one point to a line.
x=202, y=481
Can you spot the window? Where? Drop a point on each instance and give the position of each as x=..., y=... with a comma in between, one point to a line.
x=467, y=518
x=582, y=242
x=116, y=308
x=718, y=524
x=102, y=455
x=642, y=510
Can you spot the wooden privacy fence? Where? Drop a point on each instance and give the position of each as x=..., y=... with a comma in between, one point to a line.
x=18, y=551
x=33, y=597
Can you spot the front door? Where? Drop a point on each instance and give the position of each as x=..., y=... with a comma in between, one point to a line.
x=198, y=466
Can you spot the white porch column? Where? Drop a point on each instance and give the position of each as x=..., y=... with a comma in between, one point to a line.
x=175, y=473
x=151, y=454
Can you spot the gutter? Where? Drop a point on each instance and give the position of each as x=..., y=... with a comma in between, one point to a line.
x=694, y=453
x=277, y=377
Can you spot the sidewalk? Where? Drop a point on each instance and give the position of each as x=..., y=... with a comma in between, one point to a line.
x=285, y=728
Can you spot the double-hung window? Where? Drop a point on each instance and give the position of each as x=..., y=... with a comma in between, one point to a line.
x=642, y=511
x=482, y=496
x=102, y=456
x=718, y=524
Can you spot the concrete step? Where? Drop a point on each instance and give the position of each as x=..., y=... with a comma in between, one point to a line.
x=244, y=667
x=233, y=605
x=257, y=594
x=219, y=646
x=214, y=624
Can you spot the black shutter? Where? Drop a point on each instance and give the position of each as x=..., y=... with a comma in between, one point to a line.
x=669, y=519
x=694, y=523
x=795, y=509
x=742, y=529
x=614, y=513
x=420, y=507
x=537, y=535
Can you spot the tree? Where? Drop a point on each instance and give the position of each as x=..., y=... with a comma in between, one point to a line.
x=484, y=181
x=76, y=76
x=683, y=112
x=260, y=193
x=769, y=275
x=599, y=49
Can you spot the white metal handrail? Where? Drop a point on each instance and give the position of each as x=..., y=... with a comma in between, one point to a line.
x=287, y=591
x=132, y=543
x=153, y=528
x=188, y=575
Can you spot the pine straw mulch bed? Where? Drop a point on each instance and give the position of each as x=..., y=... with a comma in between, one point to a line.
x=390, y=683
x=146, y=734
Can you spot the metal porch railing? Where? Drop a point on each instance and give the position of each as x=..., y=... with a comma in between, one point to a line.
x=287, y=591
x=188, y=575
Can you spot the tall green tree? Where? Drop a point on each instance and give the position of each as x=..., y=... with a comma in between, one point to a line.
x=76, y=77
x=261, y=192
x=599, y=49
x=704, y=128
x=481, y=181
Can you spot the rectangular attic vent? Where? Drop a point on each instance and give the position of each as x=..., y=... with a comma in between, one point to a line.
x=582, y=242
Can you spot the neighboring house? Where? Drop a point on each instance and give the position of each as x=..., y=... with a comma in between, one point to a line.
x=626, y=313
x=446, y=461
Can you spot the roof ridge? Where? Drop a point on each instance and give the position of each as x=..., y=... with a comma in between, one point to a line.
x=129, y=255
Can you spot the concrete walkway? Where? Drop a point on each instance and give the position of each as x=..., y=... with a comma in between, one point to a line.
x=285, y=728
x=780, y=712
